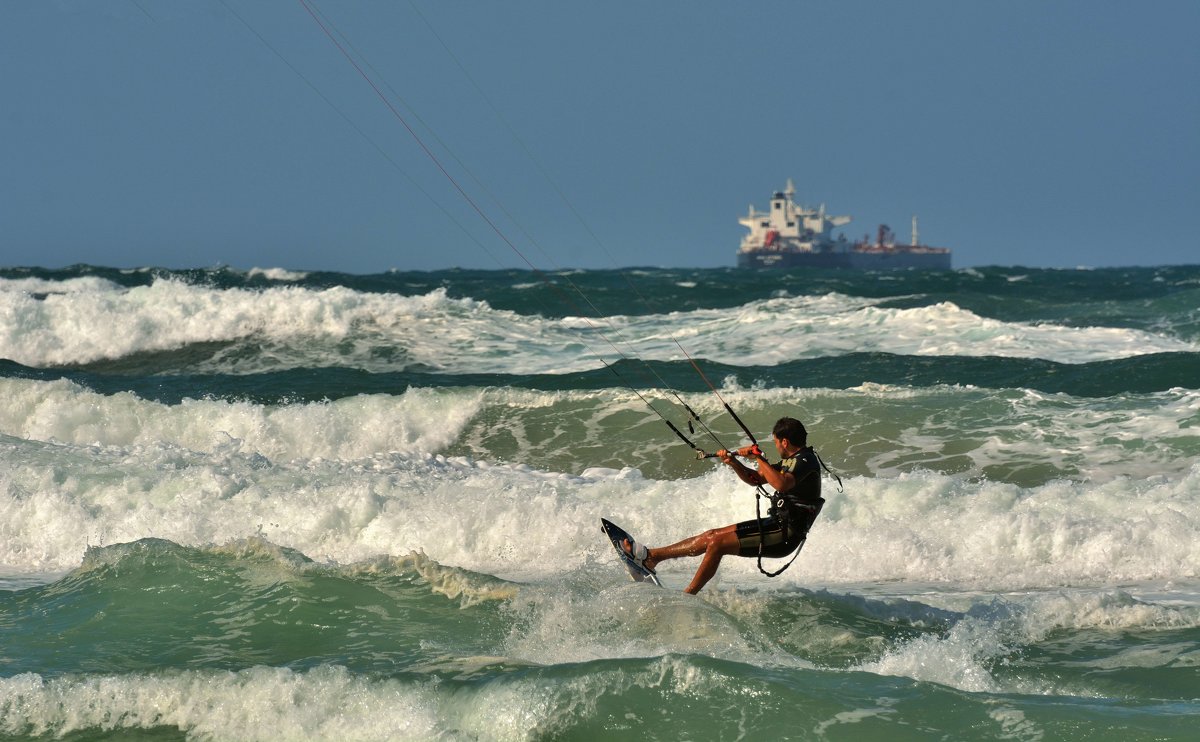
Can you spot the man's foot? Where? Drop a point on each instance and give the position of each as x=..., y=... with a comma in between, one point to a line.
x=639, y=554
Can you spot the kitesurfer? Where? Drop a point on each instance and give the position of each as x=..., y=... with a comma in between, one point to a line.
x=796, y=480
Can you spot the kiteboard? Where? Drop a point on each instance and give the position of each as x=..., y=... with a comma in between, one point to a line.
x=617, y=535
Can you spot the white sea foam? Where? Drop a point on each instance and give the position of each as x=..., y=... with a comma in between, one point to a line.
x=775, y=330
x=326, y=703
x=368, y=475
x=43, y=286
x=277, y=274
x=57, y=498
x=259, y=703
x=86, y=327
x=420, y=421
x=294, y=327
x=931, y=528
x=967, y=655
x=955, y=659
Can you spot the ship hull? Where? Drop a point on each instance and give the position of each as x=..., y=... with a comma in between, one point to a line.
x=890, y=260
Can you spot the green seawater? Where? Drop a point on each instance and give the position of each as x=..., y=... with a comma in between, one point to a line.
x=250, y=641
x=322, y=506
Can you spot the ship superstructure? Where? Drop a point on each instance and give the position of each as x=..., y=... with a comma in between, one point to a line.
x=788, y=235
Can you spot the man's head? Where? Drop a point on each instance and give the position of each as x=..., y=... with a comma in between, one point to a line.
x=791, y=430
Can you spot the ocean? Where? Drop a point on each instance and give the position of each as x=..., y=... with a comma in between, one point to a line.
x=287, y=505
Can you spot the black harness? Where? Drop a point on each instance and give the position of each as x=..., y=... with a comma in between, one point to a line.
x=781, y=508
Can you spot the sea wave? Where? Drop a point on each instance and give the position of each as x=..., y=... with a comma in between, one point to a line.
x=216, y=611
x=347, y=499
x=242, y=330
x=1017, y=436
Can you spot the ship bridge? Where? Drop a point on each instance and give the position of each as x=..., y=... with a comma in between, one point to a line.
x=787, y=226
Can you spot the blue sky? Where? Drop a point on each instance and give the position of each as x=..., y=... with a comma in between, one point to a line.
x=591, y=134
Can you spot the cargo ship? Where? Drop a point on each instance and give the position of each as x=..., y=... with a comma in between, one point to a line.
x=793, y=236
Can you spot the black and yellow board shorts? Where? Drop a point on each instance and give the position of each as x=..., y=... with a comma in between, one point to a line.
x=778, y=539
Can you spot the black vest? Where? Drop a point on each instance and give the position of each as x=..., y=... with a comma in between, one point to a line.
x=806, y=492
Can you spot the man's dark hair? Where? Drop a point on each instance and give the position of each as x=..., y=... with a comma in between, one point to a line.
x=791, y=430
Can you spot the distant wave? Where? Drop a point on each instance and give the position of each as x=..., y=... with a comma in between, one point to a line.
x=259, y=330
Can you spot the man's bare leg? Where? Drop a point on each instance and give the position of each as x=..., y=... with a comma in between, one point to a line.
x=712, y=544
